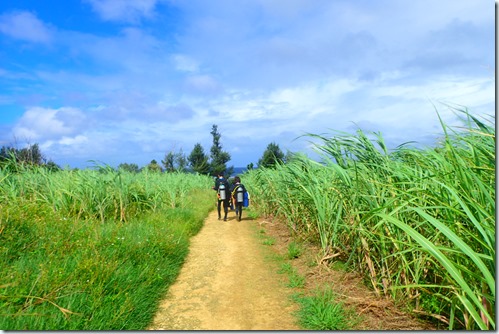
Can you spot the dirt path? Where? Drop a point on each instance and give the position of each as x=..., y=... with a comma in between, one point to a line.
x=226, y=284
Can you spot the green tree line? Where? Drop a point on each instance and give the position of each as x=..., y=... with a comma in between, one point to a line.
x=29, y=156
x=198, y=160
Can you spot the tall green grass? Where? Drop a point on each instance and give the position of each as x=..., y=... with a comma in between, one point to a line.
x=93, y=249
x=418, y=223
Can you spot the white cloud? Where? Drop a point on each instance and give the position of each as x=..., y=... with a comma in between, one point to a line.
x=313, y=97
x=263, y=70
x=120, y=10
x=25, y=26
x=42, y=123
x=70, y=141
x=75, y=142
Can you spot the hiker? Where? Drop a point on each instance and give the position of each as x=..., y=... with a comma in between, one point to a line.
x=231, y=186
x=222, y=188
x=237, y=193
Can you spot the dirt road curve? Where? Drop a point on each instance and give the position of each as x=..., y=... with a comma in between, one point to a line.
x=226, y=284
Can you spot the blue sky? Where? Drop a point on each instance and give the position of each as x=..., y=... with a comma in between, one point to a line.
x=128, y=81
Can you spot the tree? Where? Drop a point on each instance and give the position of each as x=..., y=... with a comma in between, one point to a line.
x=250, y=166
x=219, y=158
x=30, y=155
x=175, y=162
x=272, y=156
x=198, y=160
x=52, y=166
x=7, y=153
x=153, y=166
x=132, y=168
x=169, y=162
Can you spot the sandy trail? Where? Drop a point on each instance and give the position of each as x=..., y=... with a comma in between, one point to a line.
x=226, y=284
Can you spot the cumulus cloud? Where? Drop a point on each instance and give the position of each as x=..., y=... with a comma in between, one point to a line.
x=158, y=72
x=25, y=26
x=65, y=144
x=44, y=123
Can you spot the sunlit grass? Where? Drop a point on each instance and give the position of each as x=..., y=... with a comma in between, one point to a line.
x=295, y=280
x=418, y=223
x=76, y=257
x=322, y=311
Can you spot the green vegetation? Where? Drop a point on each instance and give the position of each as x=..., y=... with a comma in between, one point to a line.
x=295, y=280
x=93, y=249
x=271, y=156
x=268, y=241
x=294, y=250
x=418, y=223
x=322, y=311
x=198, y=160
x=219, y=157
x=96, y=249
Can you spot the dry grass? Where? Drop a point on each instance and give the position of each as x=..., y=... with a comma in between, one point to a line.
x=375, y=313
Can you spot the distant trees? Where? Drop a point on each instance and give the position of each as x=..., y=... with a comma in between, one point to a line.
x=133, y=168
x=219, y=158
x=28, y=156
x=272, y=156
x=153, y=166
x=198, y=160
x=175, y=162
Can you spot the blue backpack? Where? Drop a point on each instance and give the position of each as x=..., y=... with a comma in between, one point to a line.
x=246, y=198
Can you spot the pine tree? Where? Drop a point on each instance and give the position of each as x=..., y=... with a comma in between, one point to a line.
x=198, y=160
x=219, y=158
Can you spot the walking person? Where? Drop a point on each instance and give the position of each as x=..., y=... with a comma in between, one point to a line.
x=223, y=195
x=237, y=193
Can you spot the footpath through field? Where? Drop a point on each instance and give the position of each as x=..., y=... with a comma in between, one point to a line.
x=226, y=284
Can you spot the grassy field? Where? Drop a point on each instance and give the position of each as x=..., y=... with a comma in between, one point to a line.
x=96, y=249
x=419, y=224
x=93, y=249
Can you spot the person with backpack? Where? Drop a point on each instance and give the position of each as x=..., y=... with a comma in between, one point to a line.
x=238, y=193
x=222, y=188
